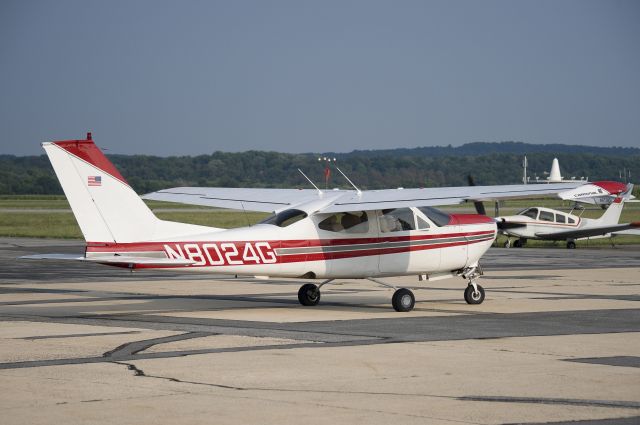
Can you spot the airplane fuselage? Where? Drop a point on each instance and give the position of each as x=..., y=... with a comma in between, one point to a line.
x=541, y=220
x=310, y=248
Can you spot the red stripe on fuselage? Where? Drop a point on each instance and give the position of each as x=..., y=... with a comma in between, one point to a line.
x=229, y=253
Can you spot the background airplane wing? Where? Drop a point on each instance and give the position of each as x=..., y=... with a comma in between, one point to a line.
x=585, y=233
x=267, y=200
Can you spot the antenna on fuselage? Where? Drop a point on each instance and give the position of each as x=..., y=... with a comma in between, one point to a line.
x=350, y=182
x=309, y=180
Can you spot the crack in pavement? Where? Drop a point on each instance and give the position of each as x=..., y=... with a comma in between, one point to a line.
x=502, y=399
x=131, y=348
x=139, y=372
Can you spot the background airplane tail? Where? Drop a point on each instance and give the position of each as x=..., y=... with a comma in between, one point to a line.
x=612, y=214
x=106, y=208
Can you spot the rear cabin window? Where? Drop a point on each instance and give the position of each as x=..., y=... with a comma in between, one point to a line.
x=348, y=222
x=285, y=218
x=546, y=216
x=397, y=220
x=571, y=221
x=561, y=218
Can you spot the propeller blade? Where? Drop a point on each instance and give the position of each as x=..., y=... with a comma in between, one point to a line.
x=479, y=205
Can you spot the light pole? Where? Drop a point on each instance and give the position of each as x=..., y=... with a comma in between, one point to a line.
x=327, y=169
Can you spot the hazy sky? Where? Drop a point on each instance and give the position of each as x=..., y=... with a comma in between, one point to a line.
x=190, y=77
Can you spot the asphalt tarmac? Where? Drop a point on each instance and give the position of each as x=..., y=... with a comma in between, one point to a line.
x=556, y=341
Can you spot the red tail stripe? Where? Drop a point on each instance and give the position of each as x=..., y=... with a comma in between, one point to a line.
x=89, y=152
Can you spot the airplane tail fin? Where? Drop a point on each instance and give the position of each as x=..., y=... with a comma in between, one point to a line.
x=106, y=208
x=612, y=214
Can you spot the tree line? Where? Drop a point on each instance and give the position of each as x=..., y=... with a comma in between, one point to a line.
x=34, y=174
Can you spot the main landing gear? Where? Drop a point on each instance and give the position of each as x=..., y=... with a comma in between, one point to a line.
x=571, y=244
x=403, y=299
x=518, y=243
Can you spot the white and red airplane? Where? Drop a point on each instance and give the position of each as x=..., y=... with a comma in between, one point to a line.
x=312, y=234
x=549, y=224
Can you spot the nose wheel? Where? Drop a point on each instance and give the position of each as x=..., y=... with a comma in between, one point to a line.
x=474, y=294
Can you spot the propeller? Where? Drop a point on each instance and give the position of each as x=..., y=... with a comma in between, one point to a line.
x=478, y=204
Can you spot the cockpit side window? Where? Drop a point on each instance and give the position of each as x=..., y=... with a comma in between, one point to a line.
x=530, y=212
x=347, y=222
x=285, y=218
x=561, y=218
x=397, y=220
x=422, y=223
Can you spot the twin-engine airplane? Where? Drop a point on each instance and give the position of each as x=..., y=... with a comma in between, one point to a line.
x=548, y=224
x=312, y=234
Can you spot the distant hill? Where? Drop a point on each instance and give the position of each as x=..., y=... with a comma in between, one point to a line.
x=489, y=163
x=483, y=148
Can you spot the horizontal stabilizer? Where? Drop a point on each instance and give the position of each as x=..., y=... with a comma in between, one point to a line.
x=113, y=259
x=585, y=233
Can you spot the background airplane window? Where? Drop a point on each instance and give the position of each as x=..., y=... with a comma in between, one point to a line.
x=546, y=216
x=531, y=212
x=349, y=222
x=571, y=221
x=561, y=218
x=397, y=220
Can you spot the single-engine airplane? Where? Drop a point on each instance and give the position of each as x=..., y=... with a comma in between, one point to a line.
x=549, y=224
x=312, y=233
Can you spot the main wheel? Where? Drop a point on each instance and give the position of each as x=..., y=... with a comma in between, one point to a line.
x=473, y=297
x=309, y=294
x=403, y=300
x=571, y=245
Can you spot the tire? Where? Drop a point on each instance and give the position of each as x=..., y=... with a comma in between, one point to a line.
x=571, y=245
x=403, y=300
x=518, y=243
x=309, y=294
x=474, y=298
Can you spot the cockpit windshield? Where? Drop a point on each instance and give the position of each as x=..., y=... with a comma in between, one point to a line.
x=438, y=217
x=529, y=212
x=285, y=218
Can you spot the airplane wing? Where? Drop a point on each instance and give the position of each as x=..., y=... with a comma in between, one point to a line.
x=437, y=196
x=266, y=200
x=630, y=232
x=112, y=259
x=270, y=200
x=585, y=233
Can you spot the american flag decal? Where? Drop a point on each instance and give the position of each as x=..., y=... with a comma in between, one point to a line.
x=94, y=180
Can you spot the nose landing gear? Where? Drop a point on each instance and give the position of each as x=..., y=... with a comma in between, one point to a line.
x=474, y=294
